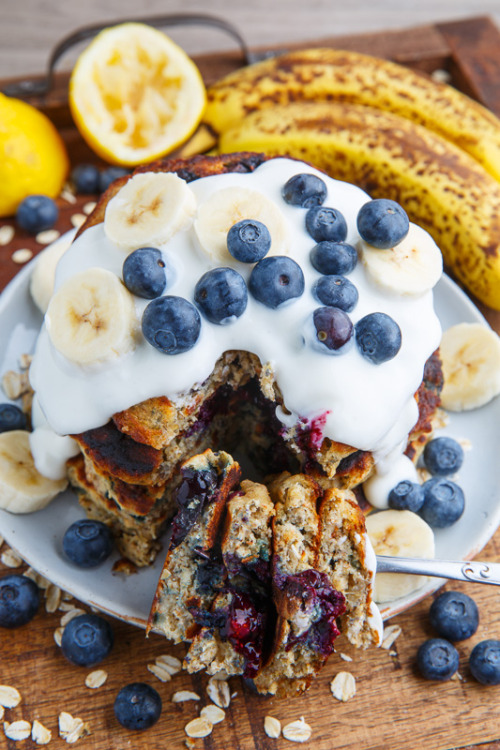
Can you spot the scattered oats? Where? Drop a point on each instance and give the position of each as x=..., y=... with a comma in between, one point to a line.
x=72, y=728
x=170, y=663
x=40, y=734
x=47, y=236
x=52, y=597
x=17, y=730
x=68, y=196
x=198, y=728
x=58, y=635
x=23, y=255
x=218, y=692
x=66, y=606
x=457, y=677
x=233, y=695
x=391, y=633
x=272, y=727
x=40, y=581
x=190, y=743
x=70, y=615
x=10, y=697
x=6, y=234
x=343, y=686
x=345, y=657
x=11, y=559
x=14, y=384
x=77, y=220
x=212, y=714
x=185, y=695
x=96, y=679
x=441, y=76
x=297, y=731
x=89, y=207
x=160, y=672
x=25, y=361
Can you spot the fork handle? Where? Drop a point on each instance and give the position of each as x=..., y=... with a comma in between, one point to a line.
x=475, y=572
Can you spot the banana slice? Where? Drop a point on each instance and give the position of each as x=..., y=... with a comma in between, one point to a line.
x=226, y=207
x=399, y=533
x=470, y=353
x=411, y=267
x=22, y=488
x=149, y=209
x=91, y=318
x=42, y=278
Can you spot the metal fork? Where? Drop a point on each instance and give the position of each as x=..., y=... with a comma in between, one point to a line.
x=458, y=570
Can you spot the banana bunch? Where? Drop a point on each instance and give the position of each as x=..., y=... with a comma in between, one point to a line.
x=387, y=129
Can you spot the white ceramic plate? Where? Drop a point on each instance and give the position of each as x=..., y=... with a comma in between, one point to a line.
x=37, y=537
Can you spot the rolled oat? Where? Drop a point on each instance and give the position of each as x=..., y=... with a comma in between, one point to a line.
x=198, y=728
x=272, y=727
x=6, y=234
x=72, y=728
x=343, y=686
x=10, y=697
x=297, y=731
x=391, y=633
x=17, y=730
x=212, y=714
x=47, y=236
x=40, y=734
x=185, y=695
x=23, y=255
x=11, y=559
x=96, y=679
x=218, y=692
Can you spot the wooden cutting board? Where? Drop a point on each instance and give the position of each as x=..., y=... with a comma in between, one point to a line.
x=393, y=709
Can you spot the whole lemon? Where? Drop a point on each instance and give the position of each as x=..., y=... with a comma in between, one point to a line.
x=33, y=157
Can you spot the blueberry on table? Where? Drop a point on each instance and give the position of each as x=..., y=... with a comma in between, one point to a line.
x=334, y=257
x=19, y=600
x=333, y=328
x=336, y=291
x=109, y=175
x=221, y=294
x=87, y=640
x=37, y=213
x=171, y=324
x=406, y=495
x=305, y=190
x=12, y=418
x=87, y=543
x=144, y=273
x=248, y=241
x=325, y=223
x=444, y=502
x=443, y=456
x=137, y=706
x=484, y=662
x=276, y=280
x=378, y=337
x=454, y=616
x=85, y=178
x=382, y=223
x=437, y=659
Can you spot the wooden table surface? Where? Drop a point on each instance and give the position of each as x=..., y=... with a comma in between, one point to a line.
x=394, y=708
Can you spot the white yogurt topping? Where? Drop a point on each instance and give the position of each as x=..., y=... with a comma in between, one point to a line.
x=379, y=485
x=364, y=405
x=50, y=451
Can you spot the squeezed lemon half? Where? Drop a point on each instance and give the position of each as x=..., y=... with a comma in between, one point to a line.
x=135, y=95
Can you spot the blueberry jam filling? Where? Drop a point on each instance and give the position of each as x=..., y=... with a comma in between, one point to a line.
x=210, y=577
x=318, y=604
x=244, y=629
x=197, y=488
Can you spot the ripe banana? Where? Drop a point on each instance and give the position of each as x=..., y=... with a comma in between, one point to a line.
x=343, y=76
x=218, y=213
x=399, y=533
x=149, y=209
x=470, y=353
x=441, y=187
x=22, y=488
x=91, y=318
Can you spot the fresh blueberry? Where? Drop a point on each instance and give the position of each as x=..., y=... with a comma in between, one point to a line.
x=334, y=257
x=248, y=240
x=305, y=190
x=87, y=640
x=454, y=616
x=109, y=175
x=87, y=543
x=406, y=495
x=333, y=327
x=171, y=324
x=443, y=456
x=378, y=337
x=144, y=273
x=484, y=662
x=85, y=178
x=437, y=659
x=382, y=223
x=36, y=213
x=324, y=223
x=444, y=502
x=137, y=706
x=12, y=418
x=19, y=600
x=276, y=280
x=221, y=294
x=336, y=291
